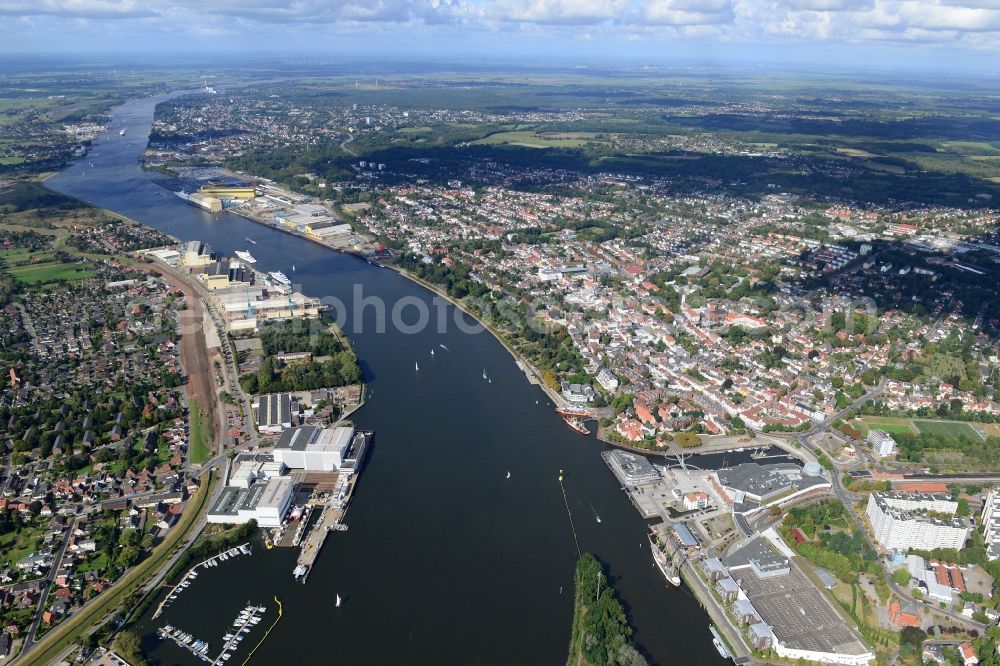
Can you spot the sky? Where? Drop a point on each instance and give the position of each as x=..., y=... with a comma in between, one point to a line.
x=951, y=34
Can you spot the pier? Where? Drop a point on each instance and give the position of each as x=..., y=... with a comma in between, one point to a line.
x=312, y=535
x=188, y=578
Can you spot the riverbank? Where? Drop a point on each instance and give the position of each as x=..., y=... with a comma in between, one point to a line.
x=601, y=634
x=529, y=370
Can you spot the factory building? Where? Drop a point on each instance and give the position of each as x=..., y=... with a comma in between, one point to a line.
x=274, y=413
x=252, y=471
x=314, y=449
x=267, y=502
x=216, y=275
x=243, y=306
x=900, y=521
x=196, y=253
x=205, y=202
x=223, y=192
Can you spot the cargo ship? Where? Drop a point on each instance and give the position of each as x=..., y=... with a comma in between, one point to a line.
x=245, y=256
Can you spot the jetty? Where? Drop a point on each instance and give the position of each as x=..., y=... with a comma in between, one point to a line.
x=311, y=534
x=192, y=573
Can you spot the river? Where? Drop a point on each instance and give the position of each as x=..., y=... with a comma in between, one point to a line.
x=446, y=561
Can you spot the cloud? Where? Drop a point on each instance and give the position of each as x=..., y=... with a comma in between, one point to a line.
x=95, y=9
x=608, y=24
x=685, y=12
x=928, y=16
x=564, y=12
x=827, y=5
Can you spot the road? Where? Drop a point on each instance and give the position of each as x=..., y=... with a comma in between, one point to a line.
x=29, y=637
x=848, y=499
x=343, y=146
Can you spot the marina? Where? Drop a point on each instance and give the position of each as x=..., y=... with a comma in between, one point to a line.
x=188, y=578
x=247, y=619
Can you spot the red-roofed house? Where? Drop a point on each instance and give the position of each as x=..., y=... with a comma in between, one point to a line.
x=968, y=655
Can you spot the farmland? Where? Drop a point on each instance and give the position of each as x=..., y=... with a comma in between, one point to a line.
x=534, y=139
x=34, y=268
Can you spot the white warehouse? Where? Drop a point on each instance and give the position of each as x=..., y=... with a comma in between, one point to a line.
x=266, y=502
x=312, y=448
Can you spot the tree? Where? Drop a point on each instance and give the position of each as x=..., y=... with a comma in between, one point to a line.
x=901, y=577
x=912, y=636
x=129, y=646
x=687, y=440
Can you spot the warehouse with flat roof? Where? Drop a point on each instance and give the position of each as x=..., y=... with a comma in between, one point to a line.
x=267, y=502
x=314, y=449
x=274, y=413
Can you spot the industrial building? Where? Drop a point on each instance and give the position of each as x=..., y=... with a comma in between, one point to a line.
x=203, y=201
x=267, y=502
x=216, y=275
x=314, y=449
x=881, y=442
x=632, y=469
x=252, y=471
x=244, y=305
x=782, y=609
x=224, y=192
x=900, y=521
x=196, y=253
x=274, y=413
x=225, y=274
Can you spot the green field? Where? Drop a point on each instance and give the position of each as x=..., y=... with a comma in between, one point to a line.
x=16, y=546
x=53, y=271
x=529, y=140
x=890, y=424
x=954, y=428
x=198, y=451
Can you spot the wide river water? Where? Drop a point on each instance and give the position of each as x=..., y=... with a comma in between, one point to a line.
x=446, y=561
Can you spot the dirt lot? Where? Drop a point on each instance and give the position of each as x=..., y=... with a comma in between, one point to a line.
x=195, y=357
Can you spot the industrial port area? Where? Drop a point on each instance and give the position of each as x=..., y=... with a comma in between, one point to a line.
x=713, y=530
x=217, y=190
x=299, y=492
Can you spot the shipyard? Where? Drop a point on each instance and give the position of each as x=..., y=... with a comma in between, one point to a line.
x=217, y=190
